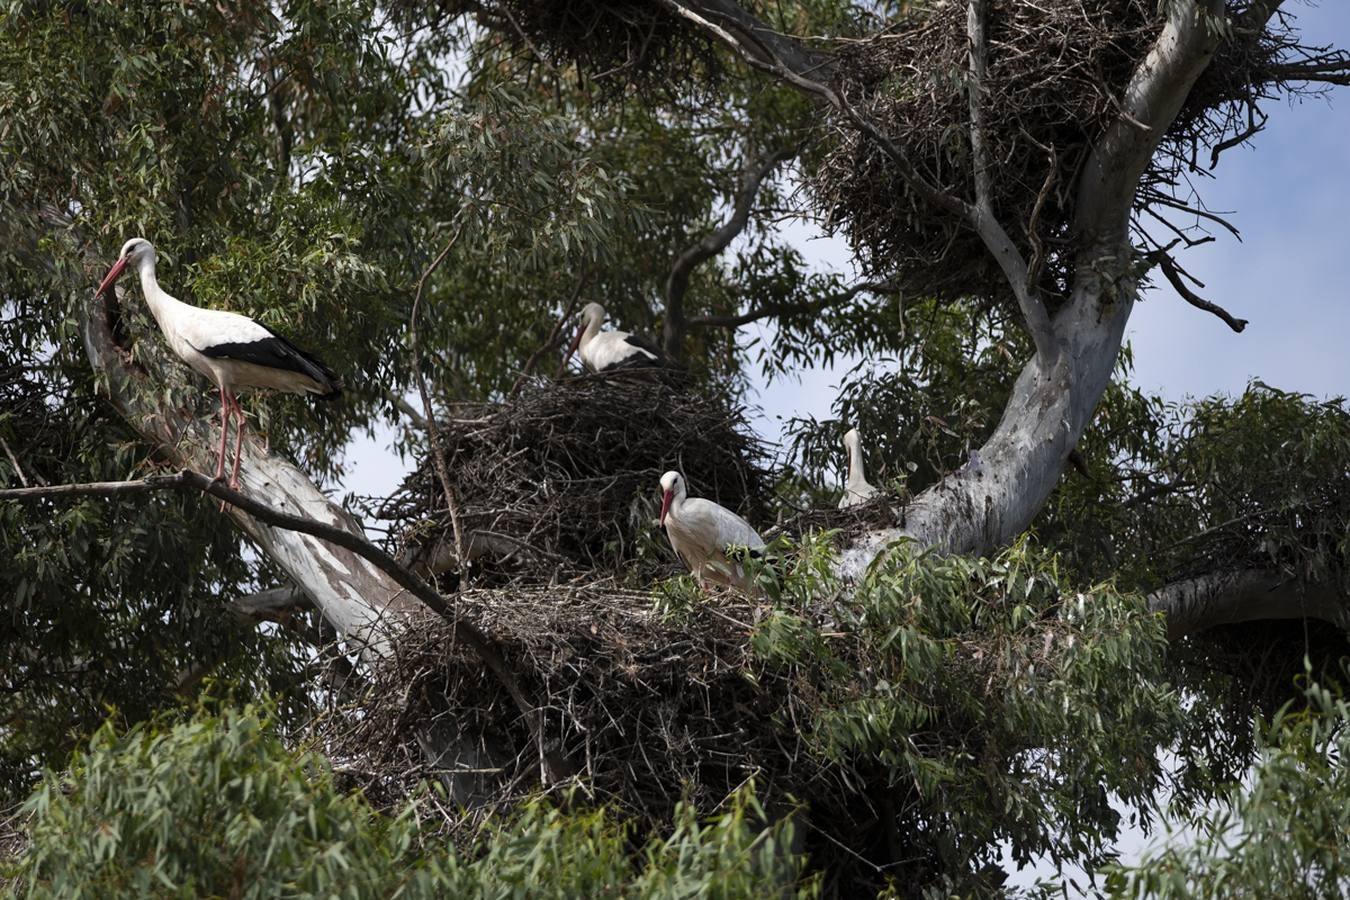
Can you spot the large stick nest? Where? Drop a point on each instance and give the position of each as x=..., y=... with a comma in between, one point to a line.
x=648, y=704
x=1057, y=71
x=564, y=478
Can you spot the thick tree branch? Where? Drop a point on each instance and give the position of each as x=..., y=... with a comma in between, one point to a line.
x=982, y=215
x=272, y=605
x=782, y=310
x=677, y=284
x=1155, y=94
x=1246, y=595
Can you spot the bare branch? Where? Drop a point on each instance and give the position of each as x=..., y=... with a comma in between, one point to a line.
x=793, y=309
x=982, y=216
x=1245, y=595
x=1173, y=273
x=711, y=245
x=18, y=469
x=480, y=643
x=403, y=406
x=433, y=432
x=1254, y=126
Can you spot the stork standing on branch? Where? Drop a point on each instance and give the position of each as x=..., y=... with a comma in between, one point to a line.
x=856, y=489
x=230, y=349
x=605, y=351
x=701, y=532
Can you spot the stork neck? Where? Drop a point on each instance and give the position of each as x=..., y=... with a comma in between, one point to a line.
x=592, y=328
x=855, y=464
x=160, y=302
x=677, y=502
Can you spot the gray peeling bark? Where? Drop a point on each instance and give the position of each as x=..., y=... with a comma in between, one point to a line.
x=997, y=494
x=1246, y=595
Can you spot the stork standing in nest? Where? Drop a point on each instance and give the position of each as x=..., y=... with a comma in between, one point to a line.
x=605, y=351
x=230, y=349
x=701, y=532
x=856, y=489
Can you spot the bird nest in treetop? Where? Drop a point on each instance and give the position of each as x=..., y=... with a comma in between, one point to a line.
x=563, y=478
x=1056, y=73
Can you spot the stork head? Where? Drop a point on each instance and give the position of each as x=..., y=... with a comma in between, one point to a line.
x=672, y=487
x=591, y=317
x=134, y=253
x=851, y=438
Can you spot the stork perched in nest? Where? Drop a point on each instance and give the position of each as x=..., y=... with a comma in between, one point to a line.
x=230, y=349
x=701, y=532
x=605, y=351
x=856, y=489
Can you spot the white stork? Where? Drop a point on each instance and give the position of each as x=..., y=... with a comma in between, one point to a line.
x=700, y=531
x=605, y=351
x=856, y=489
x=232, y=350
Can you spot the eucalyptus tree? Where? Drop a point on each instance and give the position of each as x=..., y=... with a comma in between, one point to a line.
x=319, y=166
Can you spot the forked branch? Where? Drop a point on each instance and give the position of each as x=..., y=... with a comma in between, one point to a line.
x=677, y=285
x=982, y=215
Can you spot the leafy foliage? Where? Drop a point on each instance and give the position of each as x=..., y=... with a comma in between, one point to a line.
x=976, y=702
x=1287, y=834
x=217, y=806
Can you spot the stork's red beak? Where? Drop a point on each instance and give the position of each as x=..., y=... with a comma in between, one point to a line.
x=113, y=274
x=665, y=504
x=576, y=342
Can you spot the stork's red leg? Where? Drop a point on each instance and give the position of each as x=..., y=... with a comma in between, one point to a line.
x=238, y=441
x=224, y=430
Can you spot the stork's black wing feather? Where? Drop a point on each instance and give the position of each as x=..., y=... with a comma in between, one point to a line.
x=276, y=352
x=633, y=340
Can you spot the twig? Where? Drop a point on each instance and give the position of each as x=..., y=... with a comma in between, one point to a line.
x=18, y=470
x=433, y=432
x=1033, y=223
x=1173, y=274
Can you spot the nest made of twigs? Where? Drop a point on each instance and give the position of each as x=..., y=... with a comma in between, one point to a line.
x=649, y=706
x=564, y=477
x=1057, y=70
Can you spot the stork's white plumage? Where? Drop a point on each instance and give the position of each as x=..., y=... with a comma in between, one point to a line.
x=605, y=351
x=230, y=349
x=856, y=489
x=701, y=531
